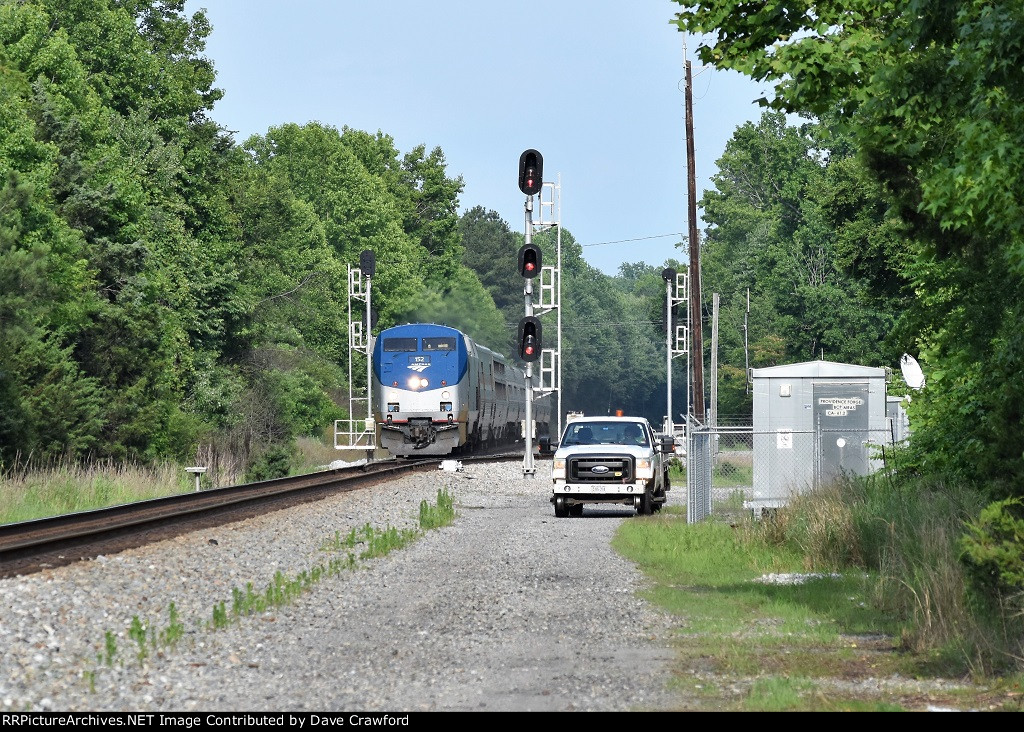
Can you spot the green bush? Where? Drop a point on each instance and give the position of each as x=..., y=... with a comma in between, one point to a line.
x=993, y=548
x=275, y=462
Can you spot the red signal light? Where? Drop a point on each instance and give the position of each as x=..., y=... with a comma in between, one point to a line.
x=531, y=172
x=529, y=260
x=529, y=338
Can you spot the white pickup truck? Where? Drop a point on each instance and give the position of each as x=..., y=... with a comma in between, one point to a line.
x=610, y=460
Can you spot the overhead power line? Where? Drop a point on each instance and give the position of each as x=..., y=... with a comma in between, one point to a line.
x=639, y=239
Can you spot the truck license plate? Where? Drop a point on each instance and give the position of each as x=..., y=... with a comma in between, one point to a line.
x=596, y=488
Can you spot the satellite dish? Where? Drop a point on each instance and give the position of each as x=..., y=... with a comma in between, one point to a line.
x=912, y=373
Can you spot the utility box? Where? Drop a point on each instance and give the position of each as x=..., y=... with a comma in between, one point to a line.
x=813, y=422
x=896, y=415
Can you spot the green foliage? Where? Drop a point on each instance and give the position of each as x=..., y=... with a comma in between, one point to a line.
x=441, y=514
x=175, y=629
x=463, y=303
x=490, y=248
x=164, y=289
x=779, y=694
x=993, y=548
x=928, y=95
x=137, y=632
x=274, y=462
x=301, y=398
x=601, y=316
x=102, y=114
x=798, y=236
x=161, y=287
x=109, y=648
x=317, y=166
x=220, y=616
x=610, y=353
x=910, y=537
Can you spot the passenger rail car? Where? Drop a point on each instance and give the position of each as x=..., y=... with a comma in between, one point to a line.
x=438, y=392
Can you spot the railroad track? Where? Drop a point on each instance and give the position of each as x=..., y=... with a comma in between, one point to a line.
x=30, y=546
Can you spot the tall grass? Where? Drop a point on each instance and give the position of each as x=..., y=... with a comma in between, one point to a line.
x=908, y=537
x=32, y=491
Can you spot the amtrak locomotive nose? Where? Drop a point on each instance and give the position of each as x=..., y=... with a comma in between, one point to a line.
x=418, y=369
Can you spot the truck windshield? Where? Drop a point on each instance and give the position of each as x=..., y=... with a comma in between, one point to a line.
x=605, y=433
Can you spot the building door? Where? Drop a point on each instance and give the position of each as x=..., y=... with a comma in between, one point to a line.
x=841, y=419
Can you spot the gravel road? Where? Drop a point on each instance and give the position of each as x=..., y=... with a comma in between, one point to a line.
x=508, y=609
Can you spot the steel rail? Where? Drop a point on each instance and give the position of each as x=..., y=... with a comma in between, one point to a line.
x=23, y=544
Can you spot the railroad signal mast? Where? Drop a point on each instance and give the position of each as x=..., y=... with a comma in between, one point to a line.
x=530, y=267
x=676, y=336
x=358, y=432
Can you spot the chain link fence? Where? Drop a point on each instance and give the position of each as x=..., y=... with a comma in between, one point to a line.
x=732, y=470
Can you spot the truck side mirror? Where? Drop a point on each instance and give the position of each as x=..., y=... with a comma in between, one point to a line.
x=668, y=443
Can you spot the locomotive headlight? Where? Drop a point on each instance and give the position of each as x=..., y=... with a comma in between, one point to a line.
x=445, y=395
x=417, y=382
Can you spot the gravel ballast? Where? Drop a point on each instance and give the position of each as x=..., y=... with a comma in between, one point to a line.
x=508, y=608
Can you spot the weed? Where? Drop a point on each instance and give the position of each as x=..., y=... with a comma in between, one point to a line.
x=175, y=628
x=443, y=514
x=137, y=632
x=381, y=543
x=283, y=590
x=220, y=616
x=110, y=648
x=334, y=544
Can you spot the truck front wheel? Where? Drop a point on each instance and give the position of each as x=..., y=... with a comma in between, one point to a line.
x=561, y=509
x=646, y=506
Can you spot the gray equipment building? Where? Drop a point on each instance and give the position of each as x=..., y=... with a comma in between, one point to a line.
x=814, y=421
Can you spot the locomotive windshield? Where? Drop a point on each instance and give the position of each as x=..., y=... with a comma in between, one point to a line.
x=439, y=344
x=396, y=345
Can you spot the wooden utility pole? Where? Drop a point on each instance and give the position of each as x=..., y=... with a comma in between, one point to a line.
x=696, y=339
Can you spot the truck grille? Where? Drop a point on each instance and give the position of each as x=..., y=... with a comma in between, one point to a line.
x=601, y=469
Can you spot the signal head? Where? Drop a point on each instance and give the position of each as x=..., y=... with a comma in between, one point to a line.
x=531, y=172
x=367, y=262
x=529, y=260
x=529, y=338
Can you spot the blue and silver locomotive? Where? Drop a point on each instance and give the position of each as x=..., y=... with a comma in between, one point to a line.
x=438, y=392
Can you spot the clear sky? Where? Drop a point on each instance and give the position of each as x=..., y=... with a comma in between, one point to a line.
x=597, y=86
